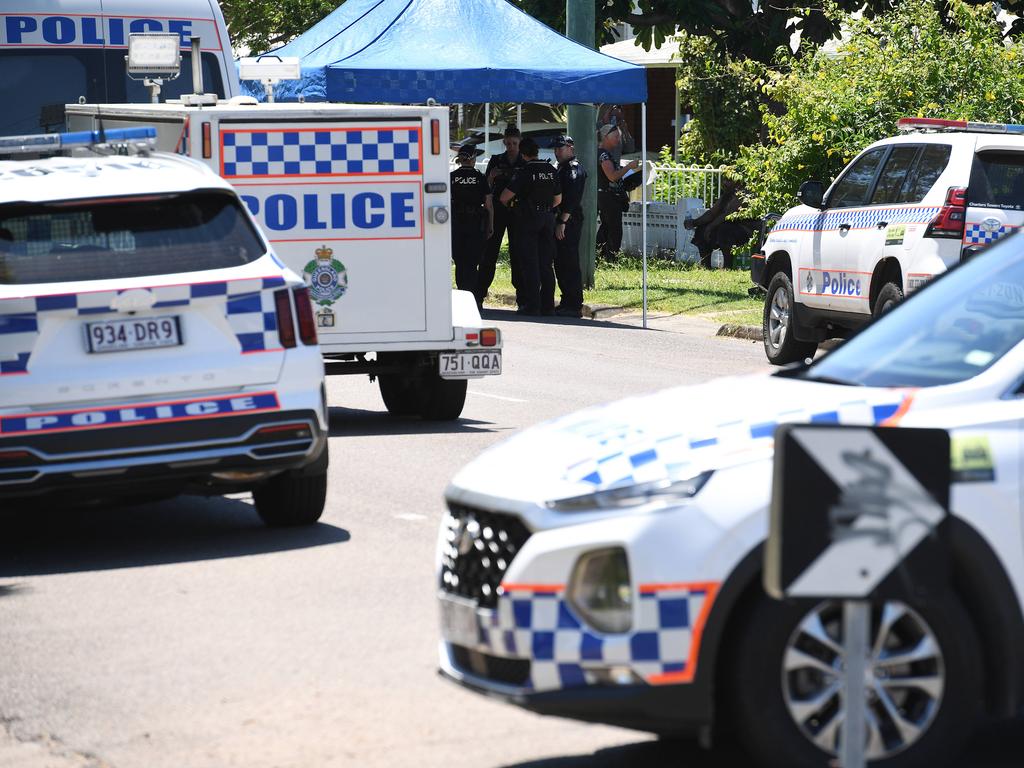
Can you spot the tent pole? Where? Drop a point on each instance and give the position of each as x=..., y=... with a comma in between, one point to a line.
x=487, y=124
x=519, y=116
x=643, y=186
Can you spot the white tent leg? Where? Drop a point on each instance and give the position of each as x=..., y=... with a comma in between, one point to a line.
x=643, y=186
x=519, y=116
x=487, y=124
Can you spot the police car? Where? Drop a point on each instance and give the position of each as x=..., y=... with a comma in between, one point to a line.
x=606, y=566
x=151, y=343
x=906, y=209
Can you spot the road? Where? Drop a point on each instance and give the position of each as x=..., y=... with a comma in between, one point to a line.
x=186, y=634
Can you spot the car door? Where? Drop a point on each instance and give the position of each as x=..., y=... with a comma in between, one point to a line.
x=824, y=280
x=996, y=194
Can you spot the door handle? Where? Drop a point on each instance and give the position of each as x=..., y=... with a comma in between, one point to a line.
x=883, y=224
x=844, y=227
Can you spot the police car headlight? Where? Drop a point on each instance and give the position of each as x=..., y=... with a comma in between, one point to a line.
x=638, y=495
x=600, y=590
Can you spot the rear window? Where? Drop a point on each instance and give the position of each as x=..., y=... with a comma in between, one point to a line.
x=107, y=239
x=997, y=180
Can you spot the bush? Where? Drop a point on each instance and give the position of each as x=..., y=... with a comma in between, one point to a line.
x=913, y=60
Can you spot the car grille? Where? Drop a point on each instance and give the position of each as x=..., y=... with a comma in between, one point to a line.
x=508, y=671
x=479, y=549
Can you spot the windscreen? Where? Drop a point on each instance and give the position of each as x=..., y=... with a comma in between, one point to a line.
x=107, y=239
x=997, y=180
x=950, y=331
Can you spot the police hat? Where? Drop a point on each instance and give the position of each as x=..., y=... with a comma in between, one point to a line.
x=562, y=141
x=469, y=150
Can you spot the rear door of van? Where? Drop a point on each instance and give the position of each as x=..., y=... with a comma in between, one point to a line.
x=995, y=197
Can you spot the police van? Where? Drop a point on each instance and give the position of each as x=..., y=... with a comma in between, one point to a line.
x=906, y=209
x=151, y=343
x=55, y=52
x=356, y=199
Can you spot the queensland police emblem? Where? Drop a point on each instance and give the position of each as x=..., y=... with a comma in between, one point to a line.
x=326, y=277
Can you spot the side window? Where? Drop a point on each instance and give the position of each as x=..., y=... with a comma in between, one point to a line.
x=853, y=189
x=930, y=165
x=997, y=180
x=894, y=174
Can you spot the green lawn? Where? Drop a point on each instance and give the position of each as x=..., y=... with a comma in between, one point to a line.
x=719, y=294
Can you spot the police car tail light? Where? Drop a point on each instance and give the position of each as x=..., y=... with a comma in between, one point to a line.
x=304, y=310
x=285, y=324
x=435, y=137
x=10, y=457
x=489, y=337
x=952, y=216
x=207, y=142
x=282, y=431
x=600, y=591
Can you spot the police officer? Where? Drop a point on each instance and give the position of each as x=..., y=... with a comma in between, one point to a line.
x=536, y=192
x=472, y=218
x=609, y=190
x=572, y=177
x=499, y=172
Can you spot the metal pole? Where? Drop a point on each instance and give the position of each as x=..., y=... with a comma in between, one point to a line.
x=675, y=121
x=197, y=66
x=856, y=639
x=643, y=197
x=519, y=116
x=580, y=26
x=487, y=124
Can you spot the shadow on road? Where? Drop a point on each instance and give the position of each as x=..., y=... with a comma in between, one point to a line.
x=510, y=316
x=996, y=746
x=42, y=540
x=355, y=422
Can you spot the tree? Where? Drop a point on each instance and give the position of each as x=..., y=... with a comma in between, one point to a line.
x=260, y=25
x=912, y=60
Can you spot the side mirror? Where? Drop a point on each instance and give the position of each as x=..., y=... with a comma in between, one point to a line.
x=812, y=193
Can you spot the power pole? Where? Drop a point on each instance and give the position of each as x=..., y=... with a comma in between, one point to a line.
x=580, y=24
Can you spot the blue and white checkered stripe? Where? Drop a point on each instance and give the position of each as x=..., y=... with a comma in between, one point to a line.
x=249, y=307
x=540, y=626
x=327, y=152
x=636, y=457
x=976, y=234
x=857, y=218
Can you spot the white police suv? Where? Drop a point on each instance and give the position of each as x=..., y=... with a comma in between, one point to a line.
x=906, y=209
x=150, y=341
x=606, y=566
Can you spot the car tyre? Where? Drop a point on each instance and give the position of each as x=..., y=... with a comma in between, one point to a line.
x=293, y=498
x=442, y=399
x=771, y=733
x=399, y=393
x=778, y=323
x=890, y=295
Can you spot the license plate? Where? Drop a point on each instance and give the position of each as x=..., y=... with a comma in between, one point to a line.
x=122, y=335
x=458, y=622
x=461, y=365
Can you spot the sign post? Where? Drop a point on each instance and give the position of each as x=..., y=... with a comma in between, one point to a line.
x=856, y=516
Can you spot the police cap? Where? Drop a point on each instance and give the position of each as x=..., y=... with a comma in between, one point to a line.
x=469, y=150
x=562, y=141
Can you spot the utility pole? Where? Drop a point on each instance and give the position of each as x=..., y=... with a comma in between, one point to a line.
x=580, y=24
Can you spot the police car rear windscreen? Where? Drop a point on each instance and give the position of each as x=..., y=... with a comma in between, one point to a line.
x=997, y=180
x=106, y=239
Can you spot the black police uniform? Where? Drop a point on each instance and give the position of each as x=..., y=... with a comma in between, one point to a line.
x=609, y=205
x=469, y=193
x=502, y=221
x=572, y=177
x=535, y=186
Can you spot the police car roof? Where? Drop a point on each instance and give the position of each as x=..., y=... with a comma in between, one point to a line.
x=67, y=178
x=195, y=9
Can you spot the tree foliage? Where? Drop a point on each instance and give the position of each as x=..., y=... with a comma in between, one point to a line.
x=913, y=60
x=260, y=25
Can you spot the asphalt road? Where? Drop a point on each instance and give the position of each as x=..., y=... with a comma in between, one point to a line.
x=186, y=634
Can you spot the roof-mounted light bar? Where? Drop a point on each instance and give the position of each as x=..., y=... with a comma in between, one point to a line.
x=908, y=124
x=52, y=143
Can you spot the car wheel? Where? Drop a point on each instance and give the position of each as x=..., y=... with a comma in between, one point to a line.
x=890, y=295
x=780, y=345
x=923, y=683
x=442, y=399
x=292, y=498
x=400, y=393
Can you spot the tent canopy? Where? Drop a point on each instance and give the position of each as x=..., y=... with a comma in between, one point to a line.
x=453, y=51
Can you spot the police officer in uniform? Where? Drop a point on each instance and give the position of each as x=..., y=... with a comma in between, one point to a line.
x=499, y=172
x=472, y=218
x=610, y=195
x=569, y=227
x=536, y=192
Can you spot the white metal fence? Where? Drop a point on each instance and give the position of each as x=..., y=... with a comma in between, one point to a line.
x=672, y=183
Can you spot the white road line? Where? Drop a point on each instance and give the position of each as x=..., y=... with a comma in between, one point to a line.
x=497, y=397
x=412, y=517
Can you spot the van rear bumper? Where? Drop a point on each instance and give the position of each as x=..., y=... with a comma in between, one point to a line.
x=213, y=452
